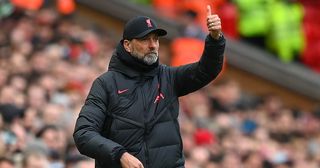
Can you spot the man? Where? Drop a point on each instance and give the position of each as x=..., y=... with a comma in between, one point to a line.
x=35, y=159
x=130, y=117
x=6, y=163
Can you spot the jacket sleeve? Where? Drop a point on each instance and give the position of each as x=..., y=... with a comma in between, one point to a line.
x=90, y=123
x=191, y=77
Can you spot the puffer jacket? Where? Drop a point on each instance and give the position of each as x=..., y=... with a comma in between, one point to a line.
x=137, y=111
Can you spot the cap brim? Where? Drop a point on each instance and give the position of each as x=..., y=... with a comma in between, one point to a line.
x=160, y=32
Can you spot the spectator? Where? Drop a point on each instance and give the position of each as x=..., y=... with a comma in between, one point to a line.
x=190, y=27
x=35, y=159
x=55, y=139
x=85, y=164
x=37, y=97
x=6, y=163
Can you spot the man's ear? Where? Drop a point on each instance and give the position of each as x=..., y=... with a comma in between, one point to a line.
x=126, y=45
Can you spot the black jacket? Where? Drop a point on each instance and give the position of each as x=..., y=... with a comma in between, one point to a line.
x=135, y=109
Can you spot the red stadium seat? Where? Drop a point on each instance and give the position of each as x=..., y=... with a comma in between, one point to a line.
x=229, y=16
x=186, y=50
x=311, y=56
x=28, y=4
x=66, y=6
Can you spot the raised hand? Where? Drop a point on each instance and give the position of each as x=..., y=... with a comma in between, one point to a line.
x=213, y=24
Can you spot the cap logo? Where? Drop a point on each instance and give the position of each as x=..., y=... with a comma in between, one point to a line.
x=148, y=21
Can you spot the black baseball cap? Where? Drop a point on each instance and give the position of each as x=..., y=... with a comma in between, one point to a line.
x=140, y=26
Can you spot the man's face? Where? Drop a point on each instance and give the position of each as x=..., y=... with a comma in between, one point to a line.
x=6, y=164
x=37, y=161
x=145, y=49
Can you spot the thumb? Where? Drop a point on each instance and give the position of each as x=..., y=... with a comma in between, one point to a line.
x=208, y=10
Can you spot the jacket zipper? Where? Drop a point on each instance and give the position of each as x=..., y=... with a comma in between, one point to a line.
x=147, y=152
x=146, y=128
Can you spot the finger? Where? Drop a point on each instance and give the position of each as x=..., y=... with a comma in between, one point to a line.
x=213, y=28
x=211, y=19
x=208, y=10
x=214, y=23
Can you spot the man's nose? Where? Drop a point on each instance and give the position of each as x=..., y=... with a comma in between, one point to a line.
x=152, y=44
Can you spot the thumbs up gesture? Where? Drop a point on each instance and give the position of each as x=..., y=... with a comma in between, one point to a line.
x=213, y=24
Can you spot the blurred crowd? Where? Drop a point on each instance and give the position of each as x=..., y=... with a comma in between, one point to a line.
x=286, y=28
x=223, y=127
x=48, y=63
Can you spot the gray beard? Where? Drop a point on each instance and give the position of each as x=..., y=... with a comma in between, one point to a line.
x=148, y=59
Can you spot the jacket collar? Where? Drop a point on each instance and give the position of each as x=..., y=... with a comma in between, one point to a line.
x=121, y=61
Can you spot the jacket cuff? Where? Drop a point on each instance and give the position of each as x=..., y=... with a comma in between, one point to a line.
x=119, y=153
x=210, y=39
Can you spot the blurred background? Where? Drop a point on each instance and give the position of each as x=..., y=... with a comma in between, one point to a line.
x=263, y=111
